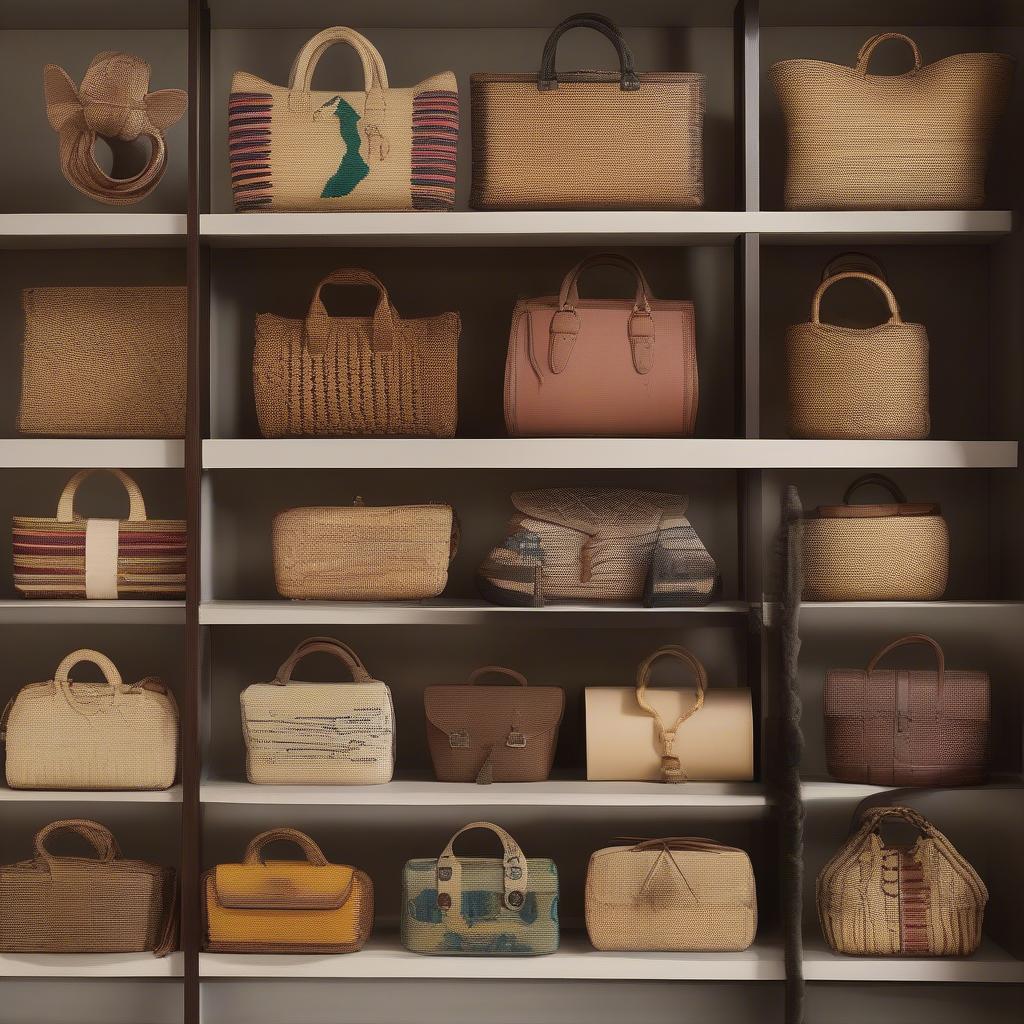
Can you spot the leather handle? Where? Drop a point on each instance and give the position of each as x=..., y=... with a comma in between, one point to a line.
x=66, y=503
x=98, y=836
x=875, y=480
x=318, y=323
x=375, y=74
x=913, y=638
x=568, y=294
x=497, y=669
x=254, y=851
x=514, y=873
x=855, y=275
x=547, y=79
x=692, y=843
x=865, y=52
x=323, y=645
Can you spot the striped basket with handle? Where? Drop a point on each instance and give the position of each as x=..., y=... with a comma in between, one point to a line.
x=70, y=557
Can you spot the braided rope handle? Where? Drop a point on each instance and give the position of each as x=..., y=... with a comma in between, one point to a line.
x=254, y=851
x=865, y=52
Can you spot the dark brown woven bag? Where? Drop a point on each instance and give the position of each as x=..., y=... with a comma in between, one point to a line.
x=897, y=727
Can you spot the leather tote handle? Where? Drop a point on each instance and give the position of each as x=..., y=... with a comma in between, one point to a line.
x=66, y=504
x=254, y=851
x=375, y=75
x=98, y=836
x=547, y=79
x=855, y=275
x=323, y=645
x=671, y=766
x=518, y=677
x=318, y=323
x=912, y=638
x=875, y=480
x=569, y=294
x=449, y=871
x=853, y=260
x=865, y=52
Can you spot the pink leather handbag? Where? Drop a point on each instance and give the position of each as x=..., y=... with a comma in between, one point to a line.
x=601, y=367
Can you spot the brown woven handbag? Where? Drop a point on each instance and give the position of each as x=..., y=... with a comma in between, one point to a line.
x=103, y=362
x=850, y=382
x=894, y=727
x=599, y=544
x=106, y=904
x=916, y=141
x=371, y=375
x=493, y=733
x=588, y=140
x=893, y=552
x=921, y=900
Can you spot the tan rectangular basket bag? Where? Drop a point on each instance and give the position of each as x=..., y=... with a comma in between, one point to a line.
x=66, y=734
x=103, y=362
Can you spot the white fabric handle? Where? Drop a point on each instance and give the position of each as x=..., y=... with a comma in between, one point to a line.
x=101, y=537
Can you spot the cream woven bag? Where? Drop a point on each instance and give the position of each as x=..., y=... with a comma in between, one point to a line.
x=73, y=735
x=340, y=734
x=677, y=895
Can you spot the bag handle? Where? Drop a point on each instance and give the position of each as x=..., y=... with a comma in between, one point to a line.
x=110, y=673
x=511, y=673
x=871, y=820
x=855, y=275
x=671, y=766
x=875, y=480
x=547, y=79
x=693, y=843
x=514, y=873
x=565, y=324
x=323, y=645
x=912, y=638
x=865, y=52
x=98, y=836
x=254, y=851
x=66, y=503
x=383, y=322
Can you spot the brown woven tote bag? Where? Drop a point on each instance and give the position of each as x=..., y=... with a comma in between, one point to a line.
x=916, y=141
x=588, y=140
x=102, y=904
x=376, y=375
x=103, y=362
x=849, y=382
x=893, y=552
x=879, y=900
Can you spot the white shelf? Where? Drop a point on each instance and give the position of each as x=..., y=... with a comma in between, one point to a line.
x=602, y=453
x=990, y=965
x=555, y=793
x=26, y=611
x=448, y=612
x=75, y=453
x=154, y=796
x=829, y=789
x=90, y=230
x=90, y=965
x=384, y=957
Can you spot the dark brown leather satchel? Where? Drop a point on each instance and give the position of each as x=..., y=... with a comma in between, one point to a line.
x=493, y=733
x=898, y=727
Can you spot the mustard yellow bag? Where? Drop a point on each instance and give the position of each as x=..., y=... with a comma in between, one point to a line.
x=286, y=906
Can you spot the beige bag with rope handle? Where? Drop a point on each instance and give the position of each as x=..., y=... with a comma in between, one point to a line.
x=669, y=735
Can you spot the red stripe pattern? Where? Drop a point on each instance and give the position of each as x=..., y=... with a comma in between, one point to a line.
x=249, y=149
x=435, y=140
x=913, y=907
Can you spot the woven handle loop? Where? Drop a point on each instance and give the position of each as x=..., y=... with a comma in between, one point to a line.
x=865, y=52
x=547, y=79
x=323, y=645
x=875, y=480
x=855, y=275
x=254, y=851
x=873, y=817
x=375, y=75
x=66, y=504
x=98, y=836
x=518, y=677
x=383, y=324
x=62, y=677
x=514, y=873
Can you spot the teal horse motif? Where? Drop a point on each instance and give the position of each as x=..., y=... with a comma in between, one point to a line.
x=353, y=168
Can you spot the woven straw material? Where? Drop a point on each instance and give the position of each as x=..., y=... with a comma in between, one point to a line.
x=103, y=362
x=658, y=898
x=398, y=553
x=877, y=900
x=361, y=378
x=919, y=140
x=63, y=734
x=84, y=905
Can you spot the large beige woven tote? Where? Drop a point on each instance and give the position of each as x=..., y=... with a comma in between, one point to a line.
x=295, y=148
x=916, y=141
x=103, y=362
x=921, y=900
x=679, y=894
x=376, y=375
x=65, y=734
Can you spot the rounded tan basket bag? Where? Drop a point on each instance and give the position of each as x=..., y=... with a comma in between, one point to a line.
x=854, y=382
x=893, y=552
x=915, y=141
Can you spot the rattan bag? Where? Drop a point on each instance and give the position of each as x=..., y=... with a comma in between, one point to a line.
x=374, y=375
x=678, y=895
x=915, y=141
x=588, y=139
x=921, y=900
x=65, y=734
x=106, y=904
x=71, y=557
x=893, y=552
x=389, y=553
x=103, y=362
x=849, y=382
